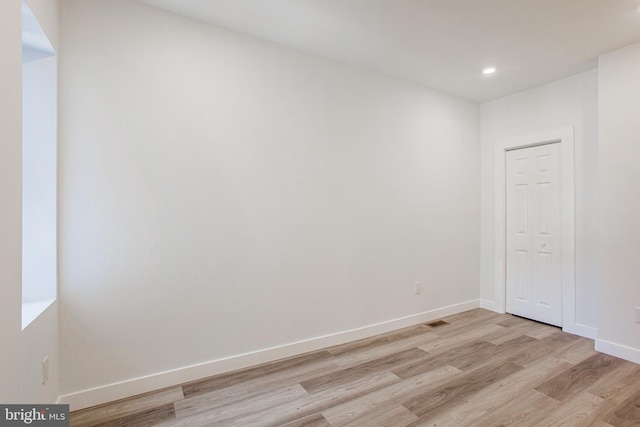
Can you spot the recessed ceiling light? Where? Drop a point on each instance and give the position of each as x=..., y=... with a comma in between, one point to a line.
x=489, y=70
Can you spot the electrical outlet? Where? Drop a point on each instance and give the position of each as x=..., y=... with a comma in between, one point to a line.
x=637, y=314
x=45, y=370
x=418, y=288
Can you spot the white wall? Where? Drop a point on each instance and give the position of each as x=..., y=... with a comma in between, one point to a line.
x=619, y=239
x=10, y=193
x=22, y=351
x=569, y=102
x=223, y=195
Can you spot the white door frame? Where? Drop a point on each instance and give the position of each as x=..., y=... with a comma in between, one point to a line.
x=565, y=137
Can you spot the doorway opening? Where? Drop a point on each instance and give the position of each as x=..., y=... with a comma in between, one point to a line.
x=534, y=233
x=565, y=138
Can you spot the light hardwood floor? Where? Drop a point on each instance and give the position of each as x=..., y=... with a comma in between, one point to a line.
x=476, y=368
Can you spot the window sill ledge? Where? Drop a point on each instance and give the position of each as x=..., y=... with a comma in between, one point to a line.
x=31, y=310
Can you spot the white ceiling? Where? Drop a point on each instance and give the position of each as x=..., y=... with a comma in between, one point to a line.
x=442, y=44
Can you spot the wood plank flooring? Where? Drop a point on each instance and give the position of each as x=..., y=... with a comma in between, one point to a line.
x=476, y=368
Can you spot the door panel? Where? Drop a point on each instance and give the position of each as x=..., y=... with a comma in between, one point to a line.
x=521, y=276
x=534, y=283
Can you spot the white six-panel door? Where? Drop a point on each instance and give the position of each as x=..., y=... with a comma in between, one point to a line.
x=534, y=276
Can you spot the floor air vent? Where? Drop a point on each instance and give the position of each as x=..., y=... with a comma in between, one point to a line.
x=437, y=323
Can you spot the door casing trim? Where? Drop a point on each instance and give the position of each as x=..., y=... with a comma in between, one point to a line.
x=564, y=136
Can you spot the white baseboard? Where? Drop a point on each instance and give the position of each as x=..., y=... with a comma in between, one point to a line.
x=110, y=392
x=490, y=305
x=622, y=351
x=582, y=330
